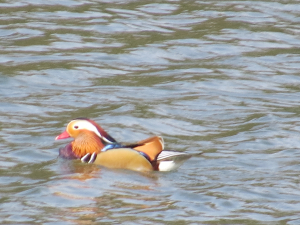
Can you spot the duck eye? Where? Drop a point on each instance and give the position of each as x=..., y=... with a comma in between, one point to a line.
x=76, y=127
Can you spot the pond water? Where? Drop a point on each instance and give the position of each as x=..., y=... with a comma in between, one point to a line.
x=221, y=77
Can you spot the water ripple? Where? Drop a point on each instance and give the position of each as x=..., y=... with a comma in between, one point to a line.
x=218, y=77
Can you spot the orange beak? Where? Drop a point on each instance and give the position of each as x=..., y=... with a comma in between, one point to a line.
x=63, y=135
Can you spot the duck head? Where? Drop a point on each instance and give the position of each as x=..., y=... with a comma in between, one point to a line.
x=88, y=136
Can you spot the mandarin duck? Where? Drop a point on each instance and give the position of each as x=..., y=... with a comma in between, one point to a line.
x=92, y=144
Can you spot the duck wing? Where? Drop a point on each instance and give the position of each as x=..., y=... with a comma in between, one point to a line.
x=152, y=147
x=170, y=160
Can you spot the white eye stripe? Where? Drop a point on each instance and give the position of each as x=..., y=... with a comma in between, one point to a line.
x=88, y=126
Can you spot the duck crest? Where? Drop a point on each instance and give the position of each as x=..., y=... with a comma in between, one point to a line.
x=87, y=143
x=105, y=136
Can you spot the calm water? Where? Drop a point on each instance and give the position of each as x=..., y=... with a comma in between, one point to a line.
x=220, y=77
